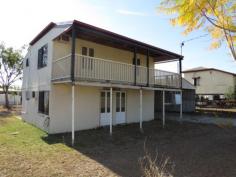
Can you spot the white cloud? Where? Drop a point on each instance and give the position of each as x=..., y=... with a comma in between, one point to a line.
x=128, y=12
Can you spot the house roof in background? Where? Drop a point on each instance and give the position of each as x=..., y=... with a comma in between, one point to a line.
x=197, y=69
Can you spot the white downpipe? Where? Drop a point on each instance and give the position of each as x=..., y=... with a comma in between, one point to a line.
x=111, y=111
x=73, y=114
x=141, y=109
x=163, y=110
x=181, y=107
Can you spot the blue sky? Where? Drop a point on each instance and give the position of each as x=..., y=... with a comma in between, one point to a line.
x=133, y=18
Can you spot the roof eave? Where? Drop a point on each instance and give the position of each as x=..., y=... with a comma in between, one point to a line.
x=43, y=32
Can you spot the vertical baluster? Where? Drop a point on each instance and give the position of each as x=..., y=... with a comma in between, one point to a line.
x=85, y=67
x=112, y=64
x=78, y=66
x=122, y=72
x=88, y=67
x=117, y=71
x=99, y=69
x=95, y=68
x=106, y=68
x=82, y=66
x=109, y=64
x=102, y=69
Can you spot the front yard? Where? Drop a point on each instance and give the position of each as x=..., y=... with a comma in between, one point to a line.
x=193, y=150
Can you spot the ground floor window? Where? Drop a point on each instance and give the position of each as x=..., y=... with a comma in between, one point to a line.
x=27, y=95
x=43, y=102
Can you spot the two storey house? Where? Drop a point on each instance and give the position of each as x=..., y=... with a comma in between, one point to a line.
x=211, y=83
x=78, y=76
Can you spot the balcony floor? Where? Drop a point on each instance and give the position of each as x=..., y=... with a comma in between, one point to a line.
x=108, y=83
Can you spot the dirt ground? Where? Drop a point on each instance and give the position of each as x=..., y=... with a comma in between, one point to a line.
x=15, y=110
x=193, y=150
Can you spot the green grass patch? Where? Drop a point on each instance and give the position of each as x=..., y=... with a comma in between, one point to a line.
x=20, y=136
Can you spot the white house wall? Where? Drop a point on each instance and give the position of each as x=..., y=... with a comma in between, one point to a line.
x=37, y=79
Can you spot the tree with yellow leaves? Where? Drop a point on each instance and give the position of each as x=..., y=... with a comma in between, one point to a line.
x=217, y=17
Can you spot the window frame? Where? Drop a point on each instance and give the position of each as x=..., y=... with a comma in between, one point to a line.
x=27, y=62
x=43, y=102
x=27, y=95
x=87, y=63
x=43, y=56
x=196, y=81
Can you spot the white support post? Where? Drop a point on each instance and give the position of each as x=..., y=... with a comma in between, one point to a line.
x=111, y=111
x=163, y=109
x=141, y=110
x=181, y=107
x=73, y=114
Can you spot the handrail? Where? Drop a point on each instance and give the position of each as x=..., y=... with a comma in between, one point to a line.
x=99, y=69
x=54, y=61
x=107, y=60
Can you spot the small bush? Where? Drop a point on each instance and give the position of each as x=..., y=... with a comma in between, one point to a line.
x=155, y=167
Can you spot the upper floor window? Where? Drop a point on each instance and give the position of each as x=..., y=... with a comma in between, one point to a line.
x=42, y=56
x=87, y=62
x=91, y=52
x=27, y=62
x=138, y=64
x=196, y=81
x=88, y=51
x=137, y=61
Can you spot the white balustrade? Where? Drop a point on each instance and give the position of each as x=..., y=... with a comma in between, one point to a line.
x=97, y=69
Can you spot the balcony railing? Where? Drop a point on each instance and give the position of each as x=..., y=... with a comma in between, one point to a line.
x=101, y=70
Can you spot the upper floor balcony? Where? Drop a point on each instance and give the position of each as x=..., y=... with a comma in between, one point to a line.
x=108, y=71
x=118, y=59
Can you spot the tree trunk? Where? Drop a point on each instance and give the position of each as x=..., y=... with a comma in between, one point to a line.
x=6, y=99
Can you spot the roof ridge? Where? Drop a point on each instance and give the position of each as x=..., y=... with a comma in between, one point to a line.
x=207, y=69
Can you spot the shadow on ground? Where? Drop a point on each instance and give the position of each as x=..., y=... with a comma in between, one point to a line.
x=193, y=149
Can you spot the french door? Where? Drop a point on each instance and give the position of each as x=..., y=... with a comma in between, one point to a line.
x=105, y=111
x=120, y=107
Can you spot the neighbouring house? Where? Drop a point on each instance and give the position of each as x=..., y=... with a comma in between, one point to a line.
x=211, y=83
x=14, y=96
x=77, y=76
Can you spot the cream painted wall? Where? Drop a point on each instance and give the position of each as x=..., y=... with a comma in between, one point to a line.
x=87, y=106
x=133, y=105
x=62, y=49
x=211, y=82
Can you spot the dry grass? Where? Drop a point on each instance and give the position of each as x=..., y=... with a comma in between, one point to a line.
x=195, y=150
x=155, y=167
x=151, y=168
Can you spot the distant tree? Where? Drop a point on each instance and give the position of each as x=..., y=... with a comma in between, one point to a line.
x=11, y=64
x=230, y=94
x=217, y=17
